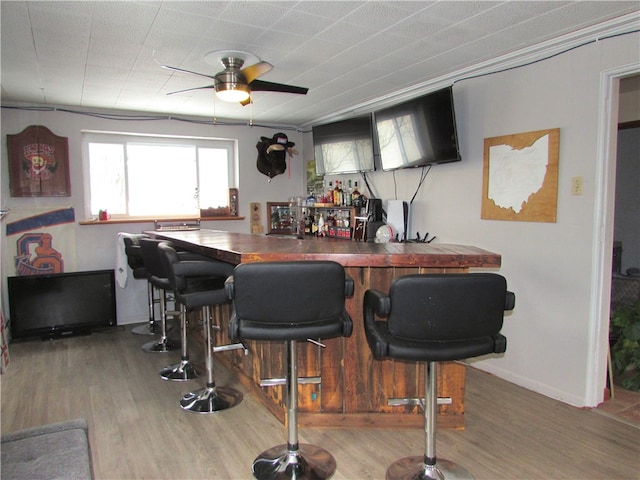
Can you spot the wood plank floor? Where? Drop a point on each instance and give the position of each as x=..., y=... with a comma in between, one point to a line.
x=137, y=430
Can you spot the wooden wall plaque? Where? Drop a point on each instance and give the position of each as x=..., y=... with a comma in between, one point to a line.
x=520, y=176
x=38, y=163
x=256, y=218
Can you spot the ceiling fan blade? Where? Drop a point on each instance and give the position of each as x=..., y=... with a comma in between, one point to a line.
x=246, y=102
x=256, y=70
x=191, y=89
x=262, y=86
x=176, y=69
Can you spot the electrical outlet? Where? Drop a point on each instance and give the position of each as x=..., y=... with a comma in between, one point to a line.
x=577, y=186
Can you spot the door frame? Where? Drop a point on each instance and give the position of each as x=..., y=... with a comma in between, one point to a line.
x=605, y=190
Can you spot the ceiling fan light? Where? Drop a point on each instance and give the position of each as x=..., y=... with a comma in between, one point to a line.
x=232, y=92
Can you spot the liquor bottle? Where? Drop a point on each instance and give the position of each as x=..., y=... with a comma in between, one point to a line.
x=348, y=195
x=336, y=194
x=307, y=224
x=331, y=219
x=310, y=200
x=330, y=193
x=321, y=227
x=340, y=194
x=355, y=195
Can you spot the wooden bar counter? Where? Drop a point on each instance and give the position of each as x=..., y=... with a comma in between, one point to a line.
x=355, y=387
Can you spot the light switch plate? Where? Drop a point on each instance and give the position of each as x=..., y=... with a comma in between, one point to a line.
x=577, y=185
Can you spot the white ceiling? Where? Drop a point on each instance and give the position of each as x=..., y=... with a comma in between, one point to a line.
x=96, y=54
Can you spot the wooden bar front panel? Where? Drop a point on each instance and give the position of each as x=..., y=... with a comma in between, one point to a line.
x=355, y=387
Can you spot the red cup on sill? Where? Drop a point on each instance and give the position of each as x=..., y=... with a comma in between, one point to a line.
x=103, y=215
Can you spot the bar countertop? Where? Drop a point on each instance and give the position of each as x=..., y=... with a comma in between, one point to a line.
x=355, y=389
x=239, y=248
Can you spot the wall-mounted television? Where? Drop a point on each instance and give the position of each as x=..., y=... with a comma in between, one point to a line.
x=418, y=132
x=345, y=146
x=61, y=304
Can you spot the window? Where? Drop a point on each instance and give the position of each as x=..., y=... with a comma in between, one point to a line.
x=140, y=176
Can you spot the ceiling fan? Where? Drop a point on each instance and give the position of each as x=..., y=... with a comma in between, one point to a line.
x=235, y=84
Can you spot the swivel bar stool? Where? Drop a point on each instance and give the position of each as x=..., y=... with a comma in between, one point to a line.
x=188, y=276
x=159, y=279
x=433, y=318
x=198, y=282
x=133, y=251
x=290, y=301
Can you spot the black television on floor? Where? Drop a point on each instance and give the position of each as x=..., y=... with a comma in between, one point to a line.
x=62, y=304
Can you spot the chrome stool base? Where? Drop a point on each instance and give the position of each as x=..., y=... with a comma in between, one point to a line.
x=414, y=468
x=145, y=329
x=308, y=462
x=181, y=372
x=160, y=346
x=211, y=399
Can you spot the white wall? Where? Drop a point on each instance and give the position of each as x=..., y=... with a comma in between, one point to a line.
x=550, y=266
x=95, y=244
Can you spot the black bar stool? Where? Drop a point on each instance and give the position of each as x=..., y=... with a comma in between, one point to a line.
x=159, y=279
x=434, y=318
x=290, y=301
x=133, y=251
x=198, y=282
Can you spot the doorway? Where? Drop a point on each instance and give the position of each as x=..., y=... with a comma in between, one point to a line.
x=625, y=286
x=604, y=229
x=626, y=234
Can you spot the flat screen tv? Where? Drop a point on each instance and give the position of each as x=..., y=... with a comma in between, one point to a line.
x=345, y=146
x=418, y=132
x=62, y=304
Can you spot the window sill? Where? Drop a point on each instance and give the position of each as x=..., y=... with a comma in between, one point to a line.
x=113, y=221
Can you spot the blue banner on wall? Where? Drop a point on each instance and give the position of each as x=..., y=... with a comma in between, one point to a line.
x=48, y=219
